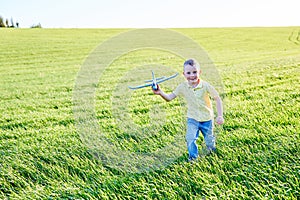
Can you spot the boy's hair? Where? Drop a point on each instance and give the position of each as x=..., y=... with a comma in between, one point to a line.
x=191, y=62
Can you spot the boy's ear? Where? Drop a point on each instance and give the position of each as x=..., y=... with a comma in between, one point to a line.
x=200, y=71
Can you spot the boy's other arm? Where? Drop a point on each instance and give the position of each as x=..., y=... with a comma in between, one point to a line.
x=220, y=119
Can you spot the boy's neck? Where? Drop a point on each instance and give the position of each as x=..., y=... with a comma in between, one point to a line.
x=195, y=84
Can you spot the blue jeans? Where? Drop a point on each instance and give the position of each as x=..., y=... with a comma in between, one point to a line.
x=192, y=134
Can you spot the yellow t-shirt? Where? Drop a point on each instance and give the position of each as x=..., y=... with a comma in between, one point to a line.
x=198, y=100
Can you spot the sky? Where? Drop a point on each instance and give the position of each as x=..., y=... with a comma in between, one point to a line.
x=151, y=13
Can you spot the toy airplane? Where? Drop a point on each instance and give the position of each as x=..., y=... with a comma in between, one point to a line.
x=153, y=83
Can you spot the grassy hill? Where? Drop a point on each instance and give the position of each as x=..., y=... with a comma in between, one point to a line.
x=42, y=155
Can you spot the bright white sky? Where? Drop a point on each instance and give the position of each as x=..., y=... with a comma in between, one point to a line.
x=151, y=13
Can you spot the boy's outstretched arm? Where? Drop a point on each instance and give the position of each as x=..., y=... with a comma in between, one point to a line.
x=167, y=97
x=220, y=119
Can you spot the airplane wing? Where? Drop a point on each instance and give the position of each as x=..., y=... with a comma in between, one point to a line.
x=157, y=79
x=140, y=86
x=167, y=78
x=161, y=79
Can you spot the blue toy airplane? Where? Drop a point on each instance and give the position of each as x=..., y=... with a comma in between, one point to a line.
x=153, y=83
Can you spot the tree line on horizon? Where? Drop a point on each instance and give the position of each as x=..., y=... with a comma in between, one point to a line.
x=11, y=24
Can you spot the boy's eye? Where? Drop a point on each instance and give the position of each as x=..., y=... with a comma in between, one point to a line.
x=194, y=72
x=188, y=73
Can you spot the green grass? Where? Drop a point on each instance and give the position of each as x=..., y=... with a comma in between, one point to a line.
x=42, y=155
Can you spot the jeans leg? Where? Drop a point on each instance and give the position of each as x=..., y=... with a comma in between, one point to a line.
x=191, y=138
x=208, y=134
x=209, y=137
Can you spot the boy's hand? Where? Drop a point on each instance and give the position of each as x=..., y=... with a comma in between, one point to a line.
x=157, y=91
x=220, y=120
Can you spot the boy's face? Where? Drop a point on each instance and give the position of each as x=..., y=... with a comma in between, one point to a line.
x=191, y=74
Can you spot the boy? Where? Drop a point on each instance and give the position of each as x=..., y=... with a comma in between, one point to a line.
x=199, y=113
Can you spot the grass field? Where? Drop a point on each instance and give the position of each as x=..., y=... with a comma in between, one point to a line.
x=43, y=157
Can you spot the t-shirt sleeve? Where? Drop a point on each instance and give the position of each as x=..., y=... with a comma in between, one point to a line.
x=212, y=91
x=178, y=90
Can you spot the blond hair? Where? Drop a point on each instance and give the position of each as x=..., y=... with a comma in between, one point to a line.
x=191, y=62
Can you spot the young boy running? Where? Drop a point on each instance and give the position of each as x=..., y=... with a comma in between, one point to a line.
x=200, y=115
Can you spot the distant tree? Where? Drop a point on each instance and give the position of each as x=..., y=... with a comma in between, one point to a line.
x=12, y=23
x=1, y=22
x=36, y=26
x=6, y=24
